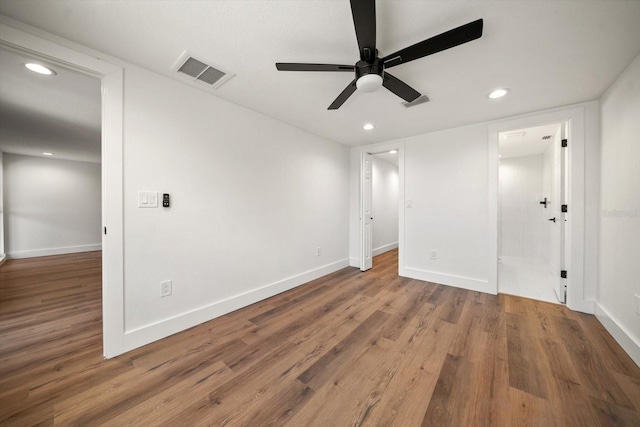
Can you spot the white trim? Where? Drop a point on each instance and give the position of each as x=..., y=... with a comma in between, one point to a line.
x=384, y=248
x=469, y=283
x=112, y=161
x=629, y=344
x=574, y=262
x=3, y=257
x=146, y=334
x=54, y=251
x=381, y=148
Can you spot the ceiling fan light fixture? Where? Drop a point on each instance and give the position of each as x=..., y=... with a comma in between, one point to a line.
x=369, y=83
x=498, y=93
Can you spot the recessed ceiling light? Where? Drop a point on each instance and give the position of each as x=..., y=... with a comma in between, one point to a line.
x=498, y=93
x=393, y=151
x=40, y=69
x=47, y=154
x=367, y=126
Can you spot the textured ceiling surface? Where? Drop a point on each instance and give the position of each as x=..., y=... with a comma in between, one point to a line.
x=549, y=53
x=58, y=114
x=526, y=142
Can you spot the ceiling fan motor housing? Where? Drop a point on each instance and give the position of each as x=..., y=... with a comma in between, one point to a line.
x=369, y=75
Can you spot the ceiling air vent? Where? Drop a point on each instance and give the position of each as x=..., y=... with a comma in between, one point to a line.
x=546, y=137
x=419, y=100
x=201, y=72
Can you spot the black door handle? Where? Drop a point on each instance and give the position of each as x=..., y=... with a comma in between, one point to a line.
x=552, y=219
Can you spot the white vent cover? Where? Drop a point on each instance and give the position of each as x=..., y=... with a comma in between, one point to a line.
x=201, y=72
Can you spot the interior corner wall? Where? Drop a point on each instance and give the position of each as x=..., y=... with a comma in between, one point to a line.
x=51, y=206
x=446, y=185
x=618, y=293
x=251, y=200
x=384, y=206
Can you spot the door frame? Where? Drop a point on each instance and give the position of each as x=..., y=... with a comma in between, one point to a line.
x=112, y=88
x=574, y=245
x=378, y=148
x=366, y=238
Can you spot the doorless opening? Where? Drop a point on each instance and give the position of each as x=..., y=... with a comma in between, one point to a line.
x=112, y=175
x=531, y=224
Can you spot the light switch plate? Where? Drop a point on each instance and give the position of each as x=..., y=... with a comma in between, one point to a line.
x=147, y=199
x=637, y=300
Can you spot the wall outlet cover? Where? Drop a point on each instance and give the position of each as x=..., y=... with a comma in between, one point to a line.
x=637, y=300
x=165, y=288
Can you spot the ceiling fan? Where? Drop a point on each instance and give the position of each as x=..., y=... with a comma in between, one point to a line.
x=370, y=70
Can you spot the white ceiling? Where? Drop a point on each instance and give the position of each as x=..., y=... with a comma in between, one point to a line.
x=549, y=53
x=59, y=114
x=526, y=142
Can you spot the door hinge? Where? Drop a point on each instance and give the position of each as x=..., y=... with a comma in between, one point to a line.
x=563, y=274
x=564, y=142
x=564, y=208
x=105, y=230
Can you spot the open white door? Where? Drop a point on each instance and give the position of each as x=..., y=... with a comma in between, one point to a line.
x=558, y=199
x=366, y=216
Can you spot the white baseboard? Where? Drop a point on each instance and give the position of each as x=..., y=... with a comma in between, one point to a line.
x=384, y=248
x=469, y=283
x=354, y=262
x=630, y=344
x=146, y=334
x=54, y=251
x=3, y=258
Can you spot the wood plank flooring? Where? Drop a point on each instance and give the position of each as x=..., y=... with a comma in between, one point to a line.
x=349, y=349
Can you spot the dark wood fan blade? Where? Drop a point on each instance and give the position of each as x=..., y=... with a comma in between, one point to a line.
x=346, y=93
x=400, y=88
x=444, y=41
x=294, y=66
x=364, y=19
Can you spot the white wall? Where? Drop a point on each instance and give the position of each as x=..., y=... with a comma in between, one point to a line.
x=2, y=252
x=446, y=180
x=51, y=206
x=619, y=272
x=385, y=205
x=252, y=199
x=524, y=229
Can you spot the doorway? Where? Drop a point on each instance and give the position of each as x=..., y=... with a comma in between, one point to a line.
x=380, y=191
x=112, y=101
x=531, y=221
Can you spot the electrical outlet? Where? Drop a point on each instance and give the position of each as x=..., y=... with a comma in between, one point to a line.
x=318, y=251
x=434, y=254
x=637, y=299
x=165, y=288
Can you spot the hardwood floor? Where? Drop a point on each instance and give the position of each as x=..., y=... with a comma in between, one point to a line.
x=348, y=349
